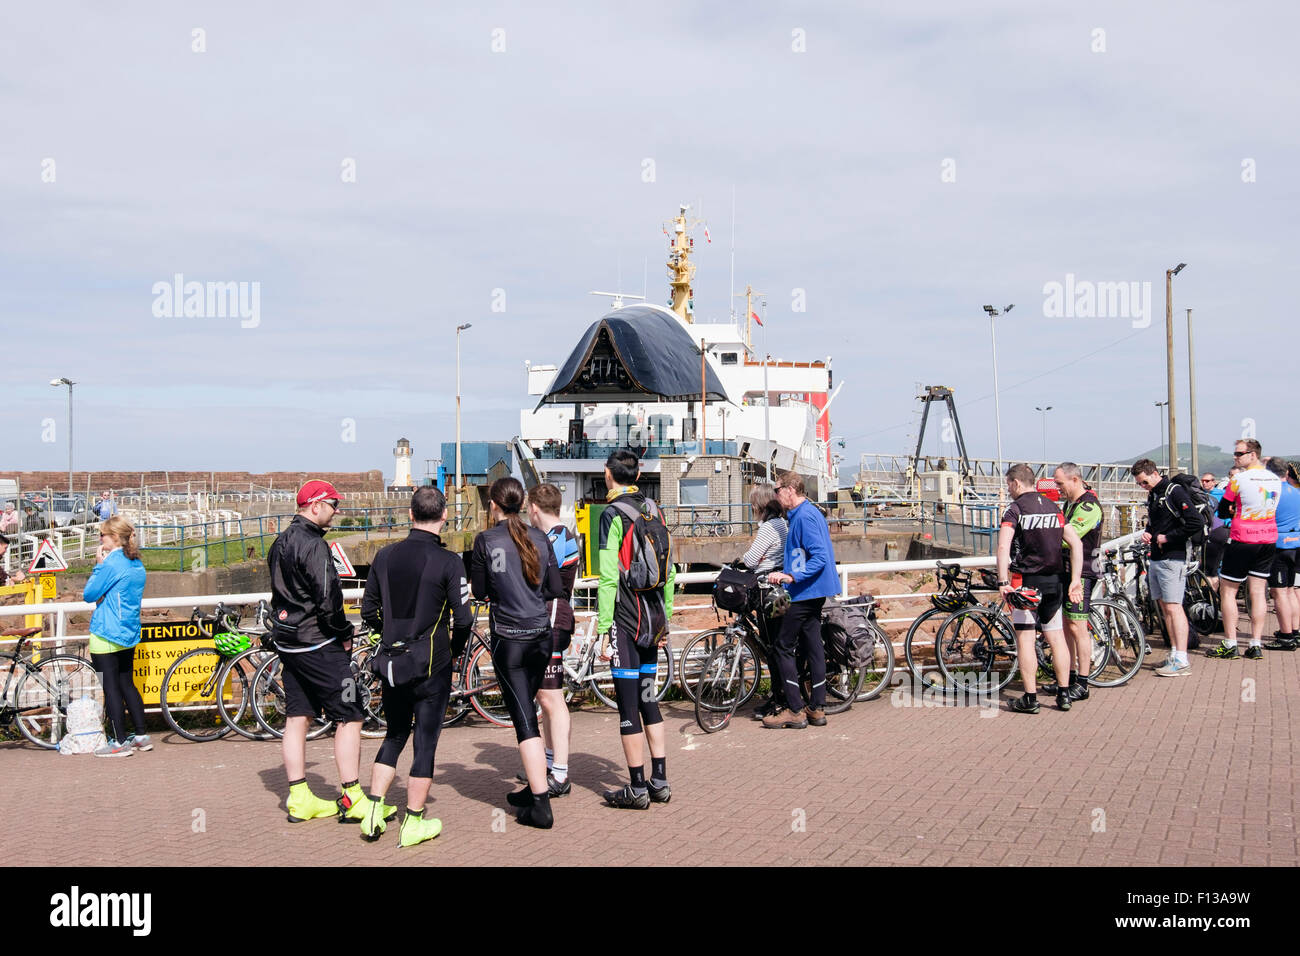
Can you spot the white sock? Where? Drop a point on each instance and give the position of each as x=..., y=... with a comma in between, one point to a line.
x=560, y=772
x=1230, y=641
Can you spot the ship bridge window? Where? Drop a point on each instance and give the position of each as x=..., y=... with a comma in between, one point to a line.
x=730, y=358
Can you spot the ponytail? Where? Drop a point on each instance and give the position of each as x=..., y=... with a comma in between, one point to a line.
x=508, y=495
x=124, y=532
x=532, y=565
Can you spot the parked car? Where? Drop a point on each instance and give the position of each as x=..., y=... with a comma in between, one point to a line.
x=67, y=510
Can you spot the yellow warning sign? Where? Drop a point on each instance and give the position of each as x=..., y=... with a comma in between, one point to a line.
x=161, y=645
x=49, y=587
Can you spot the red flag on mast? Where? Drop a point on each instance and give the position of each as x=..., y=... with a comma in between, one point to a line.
x=754, y=315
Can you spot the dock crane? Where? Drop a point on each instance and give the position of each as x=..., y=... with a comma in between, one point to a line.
x=931, y=394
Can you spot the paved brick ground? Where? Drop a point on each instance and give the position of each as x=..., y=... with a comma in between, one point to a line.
x=1199, y=770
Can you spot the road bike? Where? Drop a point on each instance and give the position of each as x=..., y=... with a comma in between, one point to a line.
x=205, y=692
x=270, y=705
x=38, y=688
x=585, y=670
x=733, y=669
x=955, y=592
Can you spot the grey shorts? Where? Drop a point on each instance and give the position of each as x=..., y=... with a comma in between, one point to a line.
x=1167, y=580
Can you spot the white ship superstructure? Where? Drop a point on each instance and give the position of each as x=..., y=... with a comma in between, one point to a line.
x=775, y=412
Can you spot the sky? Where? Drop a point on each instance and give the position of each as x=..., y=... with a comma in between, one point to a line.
x=378, y=175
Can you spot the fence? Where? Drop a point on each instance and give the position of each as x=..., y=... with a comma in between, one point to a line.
x=60, y=611
x=177, y=540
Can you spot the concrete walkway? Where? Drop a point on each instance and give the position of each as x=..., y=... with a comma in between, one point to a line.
x=1196, y=770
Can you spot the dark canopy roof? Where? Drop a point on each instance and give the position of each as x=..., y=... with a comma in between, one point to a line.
x=630, y=355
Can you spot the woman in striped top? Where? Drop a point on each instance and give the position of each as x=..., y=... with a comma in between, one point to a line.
x=767, y=550
x=767, y=553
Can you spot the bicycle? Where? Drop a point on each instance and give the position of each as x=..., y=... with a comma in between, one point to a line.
x=205, y=692
x=731, y=673
x=710, y=525
x=36, y=693
x=955, y=593
x=584, y=670
x=270, y=705
x=1118, y=645
x=978, y=644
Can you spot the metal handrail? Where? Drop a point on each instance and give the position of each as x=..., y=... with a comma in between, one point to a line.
x=62, y=609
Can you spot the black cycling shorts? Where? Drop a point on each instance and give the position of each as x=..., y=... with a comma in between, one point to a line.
x=1242, y=559
x=1078, y=612
x=553, y=678
x=320, y=680
x=1283, y=572
x=1047, y=616
x=519, y=666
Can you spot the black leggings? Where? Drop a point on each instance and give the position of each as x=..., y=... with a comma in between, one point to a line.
x=116, y=670
x=423, y=703
x=520, y=667
x=634, y=671
x=802, y=628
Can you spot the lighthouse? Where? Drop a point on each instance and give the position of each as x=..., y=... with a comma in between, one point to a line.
x=402, y=473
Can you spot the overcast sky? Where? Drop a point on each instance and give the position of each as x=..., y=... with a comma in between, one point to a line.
x=903, y=164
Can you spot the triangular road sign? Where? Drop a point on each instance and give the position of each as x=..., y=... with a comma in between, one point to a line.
x=341, y=563
x=47, y=559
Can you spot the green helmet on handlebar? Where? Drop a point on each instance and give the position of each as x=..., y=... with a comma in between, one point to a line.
x=230, y=644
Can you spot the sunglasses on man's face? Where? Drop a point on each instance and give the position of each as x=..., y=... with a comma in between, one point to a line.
x=1239, y=454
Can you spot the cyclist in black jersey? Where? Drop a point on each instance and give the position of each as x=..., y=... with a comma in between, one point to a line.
x=418, y=598
x=1029, y=554
x=513, y=566
x=544, y=503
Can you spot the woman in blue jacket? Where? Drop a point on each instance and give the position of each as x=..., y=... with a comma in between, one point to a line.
x=117, y=588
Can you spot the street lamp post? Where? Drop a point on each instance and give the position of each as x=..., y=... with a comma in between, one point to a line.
x=1164, y=447
x=1044, y=411
x=1169, y=361
x=997, y=405
x=56, y=382
x=459, y=329
x=1191, y=381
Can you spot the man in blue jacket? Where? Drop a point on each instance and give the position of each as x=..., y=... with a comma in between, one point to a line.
x=811, y=576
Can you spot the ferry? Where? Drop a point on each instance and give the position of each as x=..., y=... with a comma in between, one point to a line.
x=707, y=412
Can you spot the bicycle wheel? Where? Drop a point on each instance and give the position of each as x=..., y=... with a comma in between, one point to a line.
x=269, y=705
x=189, y=695
x=1153, y=621
x=457, y=706
x=722, y=682
x=976, y=645
x=1201, y=604
x=233, y=700
x=1115, y=628
x=370, y=693
x=602, y=679
x=877, y=674
x=485, y=693
x=41, y=697
x=843, y=684
x=919, y=642
x=694, y=654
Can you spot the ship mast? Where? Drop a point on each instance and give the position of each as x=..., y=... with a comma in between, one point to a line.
x=680, y=268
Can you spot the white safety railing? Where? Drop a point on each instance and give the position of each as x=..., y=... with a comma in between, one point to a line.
x=60, y=611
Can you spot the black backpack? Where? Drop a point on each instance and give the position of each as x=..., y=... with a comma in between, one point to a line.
x=846, y=631
x=1201, y=501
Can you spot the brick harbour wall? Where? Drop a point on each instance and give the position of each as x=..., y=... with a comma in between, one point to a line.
x=225, y=480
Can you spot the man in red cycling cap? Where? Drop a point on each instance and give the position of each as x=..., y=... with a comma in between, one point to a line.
x=314, y=639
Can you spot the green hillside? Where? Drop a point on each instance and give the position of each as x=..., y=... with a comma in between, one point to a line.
x=1211, y=457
